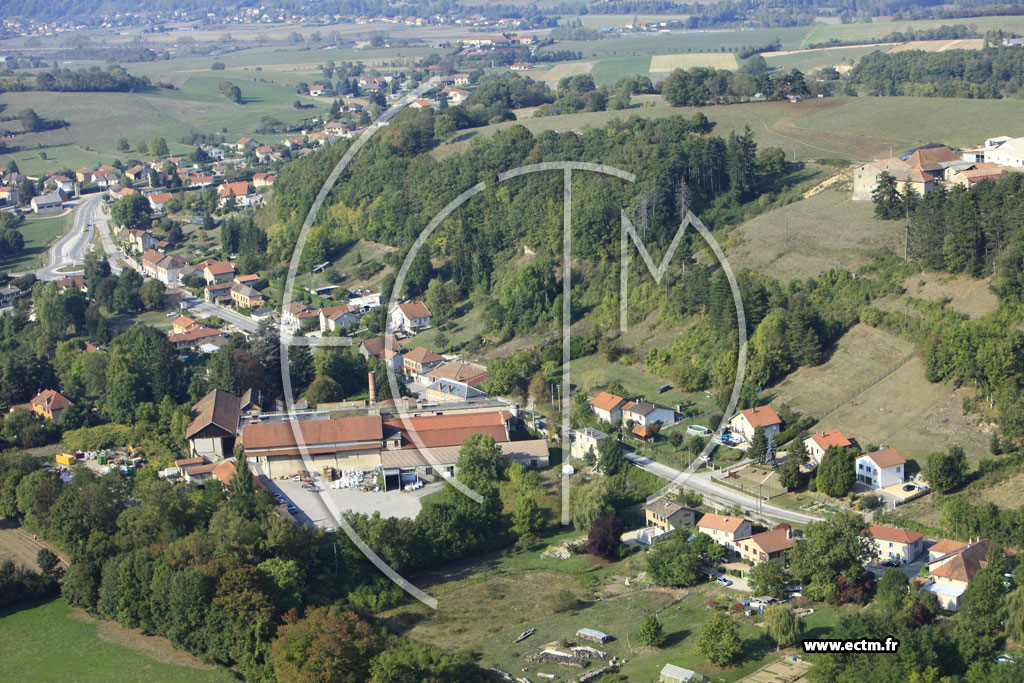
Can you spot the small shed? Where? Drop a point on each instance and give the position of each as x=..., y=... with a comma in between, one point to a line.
x=671, y=673
x=594, y=635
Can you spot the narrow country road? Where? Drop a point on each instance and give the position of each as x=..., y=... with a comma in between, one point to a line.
x=701, y=483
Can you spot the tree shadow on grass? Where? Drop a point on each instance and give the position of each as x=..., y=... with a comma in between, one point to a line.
x=673, y=639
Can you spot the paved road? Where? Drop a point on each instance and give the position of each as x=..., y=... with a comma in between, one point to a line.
x=70, y=249
x=701, y=483
x=203, y=310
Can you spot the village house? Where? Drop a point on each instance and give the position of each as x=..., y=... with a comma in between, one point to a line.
x=816, y=444
x=195, y=337
x=69, y=186
x=645, y=413
x=164, y=267
x=951, y=574
x=9, y=195
x=211, y=434
x=921, y=170
x=216, y=272
x=245, y=296
x=244, y=144
x=157, y=201
x=183, y=324
x=746, y=422
x=378, y=349
x=944, y=546
x=263, y=179
x=8, y=294
x=724, y=530
x=136, y=173
x=49, y=404
x=669, y=515
x=419, y=361
x=608, y=407
x=71, y=282
x=767, y=546
x=878, y=469
x=409, y=317
x=139, y=241
x=295, y=313
x=233, y=193
x=895, y=544
x=219, y=293
x=583, y=441
x=339, y=317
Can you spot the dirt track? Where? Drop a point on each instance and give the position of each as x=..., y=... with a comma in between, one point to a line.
x=17, y=544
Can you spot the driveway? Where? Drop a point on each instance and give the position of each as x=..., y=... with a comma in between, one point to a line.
x=912, y=570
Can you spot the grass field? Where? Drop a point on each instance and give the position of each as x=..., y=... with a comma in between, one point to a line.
x=715, y=60
x=483, y=608
x=559, y=71
x=39, y=233
x=807, y=60
x=967, y=295
x=855, y=129
x=82, y=649
x=940, y=45
x=877, y=30
x=680, y=41
x=799, y=240
x=608, y=71
x=903, y=410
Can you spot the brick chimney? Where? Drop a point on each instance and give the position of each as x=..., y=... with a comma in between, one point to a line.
x=372, y=380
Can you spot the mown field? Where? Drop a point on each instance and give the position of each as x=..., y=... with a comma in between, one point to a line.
x=484, y=607
x=851, y=128
x=800, y=240
x=715, y=60
x=51, y=642
x=876, y=30
x=682, y=41
x=39, y=233
x=903, y=410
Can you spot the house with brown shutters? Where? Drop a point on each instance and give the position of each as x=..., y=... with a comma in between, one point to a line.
x=211, y=434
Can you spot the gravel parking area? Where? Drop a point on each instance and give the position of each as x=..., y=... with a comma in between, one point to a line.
x=312, y=509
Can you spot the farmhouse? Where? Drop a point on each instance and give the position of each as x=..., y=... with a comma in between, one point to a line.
x=898, y=545
x=724, y=530
x=409, y=317
x=747, y=421
x=608, y=407
x=819, y=442
x=878, y=469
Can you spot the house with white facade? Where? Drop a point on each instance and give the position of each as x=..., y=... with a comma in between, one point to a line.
x=725, y=530
x=819, y=442
x=747, y=421
x=878, y=469
x=410, y=317
x=895, y=544
x=608, y=407
x=584, y=440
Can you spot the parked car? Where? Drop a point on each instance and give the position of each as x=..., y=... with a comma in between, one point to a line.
x=890, y=563
x=724, y=581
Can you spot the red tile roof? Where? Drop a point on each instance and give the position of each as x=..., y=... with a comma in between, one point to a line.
x=414, y=309
x=51, y=399
x=720, y=522
x=763, y=416
x=344, y=431
x=894, y=534
x=832, y=437
x=606, y=401
x=886, y=458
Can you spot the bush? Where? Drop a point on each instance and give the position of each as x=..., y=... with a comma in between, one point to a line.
x=562, y=601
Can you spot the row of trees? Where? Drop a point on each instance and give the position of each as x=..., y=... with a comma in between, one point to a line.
x=990, y=73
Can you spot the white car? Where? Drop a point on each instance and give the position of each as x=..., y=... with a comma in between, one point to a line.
x=724, y=581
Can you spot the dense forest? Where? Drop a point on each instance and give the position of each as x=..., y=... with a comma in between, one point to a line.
x=114, y=79
x=990, y=73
